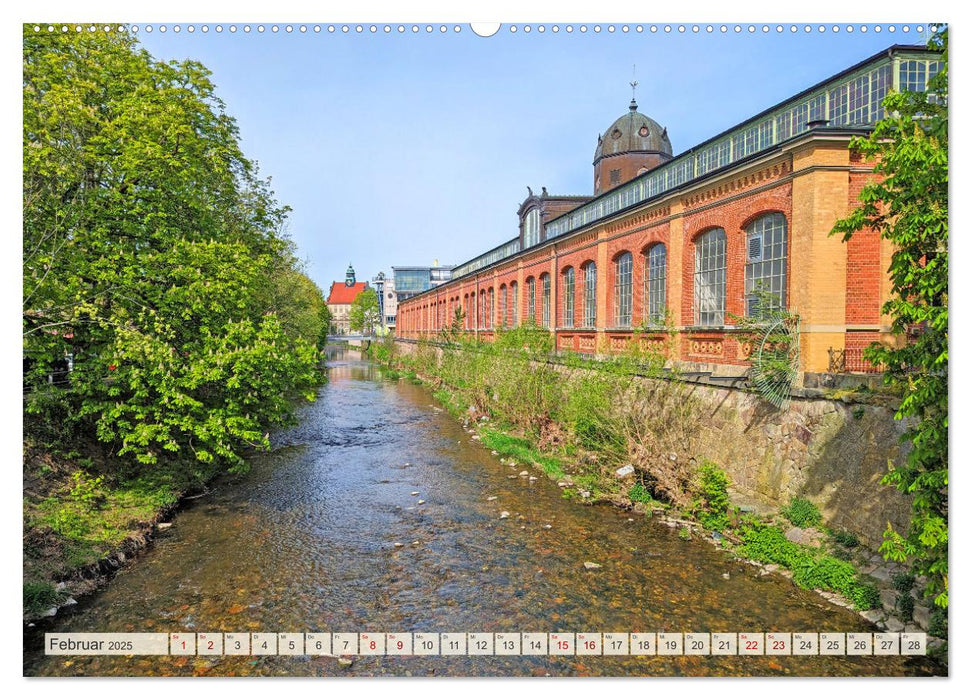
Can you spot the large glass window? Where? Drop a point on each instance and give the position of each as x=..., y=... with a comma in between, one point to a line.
x=545, y=279
x=623, y=290
x=514, y=286
x=590, y=295
x=531, y=228
x=655, y=278
x=490, y=307
x=531, y=300
x=568, y=295
x=709, y=278
x=503, y=305
x=765, y=266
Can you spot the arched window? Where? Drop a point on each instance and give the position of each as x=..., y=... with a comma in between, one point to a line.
x=545, y=280
x=590, y=295
x=503, y=305
x=568, y=296
x=655, y=268
x=473, y=312
x=765, y=265
x=483, y=309
x=514, y=320
x=623, y=290
x=491, y=308
x=531, y=300
x=709, y=278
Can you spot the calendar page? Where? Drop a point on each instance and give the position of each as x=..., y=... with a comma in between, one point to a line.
x=515, y=349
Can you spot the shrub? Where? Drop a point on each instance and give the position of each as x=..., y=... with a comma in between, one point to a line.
x=938, y=626
x=639, y=494
x=712, y=503
x=38, y=596
x=864, y=596
x=802, y=513
x=846, y=539
x=905, y=606
x=903, y=582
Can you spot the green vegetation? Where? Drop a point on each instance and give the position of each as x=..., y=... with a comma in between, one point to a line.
x=155, y=259
x=938, y=626
x=908, y=205
x=903, y=582
x=905, y=606
x=596, y=415
x=847, y=539
x=638, y=494
x=802, y=513
x=521, y=450
x=365, y=314
x=39, y=596
x=154, y=255
x=810, y=567
x=711, y=505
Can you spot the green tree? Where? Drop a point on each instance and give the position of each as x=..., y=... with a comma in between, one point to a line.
x=908, y=205
x=150, y=250
x=365, y=315
x=326, y=323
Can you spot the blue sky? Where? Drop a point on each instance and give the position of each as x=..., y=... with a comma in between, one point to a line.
x=399, y=149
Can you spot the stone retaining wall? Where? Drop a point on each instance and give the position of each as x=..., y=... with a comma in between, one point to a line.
x=828, y=451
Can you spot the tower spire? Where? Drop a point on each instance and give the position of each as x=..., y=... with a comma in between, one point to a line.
x=633, y=89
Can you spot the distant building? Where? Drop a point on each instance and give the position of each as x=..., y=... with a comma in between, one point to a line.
x=409, y=281
x=342, y=295
x=387, y=300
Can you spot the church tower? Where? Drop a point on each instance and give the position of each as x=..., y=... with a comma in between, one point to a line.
x=351, y=278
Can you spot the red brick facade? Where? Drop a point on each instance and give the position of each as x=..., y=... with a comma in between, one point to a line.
x=817, y=267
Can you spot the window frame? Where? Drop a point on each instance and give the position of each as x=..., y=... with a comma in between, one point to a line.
x=569, y=294
x=589, y=294
x=623, y=290
x=774, y=268
x=655, y=285
x=710, y=245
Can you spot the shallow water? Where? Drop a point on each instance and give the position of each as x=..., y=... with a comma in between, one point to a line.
x=306, y=541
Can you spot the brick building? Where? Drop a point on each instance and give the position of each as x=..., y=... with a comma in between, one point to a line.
x=686, y=243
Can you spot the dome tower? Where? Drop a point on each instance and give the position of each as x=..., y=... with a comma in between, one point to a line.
x=632, y=145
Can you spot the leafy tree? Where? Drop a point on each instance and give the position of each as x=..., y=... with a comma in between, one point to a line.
x=151, y=251
x=365, y=315
x=908, y=205
x=326, y=323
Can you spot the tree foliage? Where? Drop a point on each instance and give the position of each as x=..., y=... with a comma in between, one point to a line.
x=155, y=255
x=365, y=314
x=908, y=205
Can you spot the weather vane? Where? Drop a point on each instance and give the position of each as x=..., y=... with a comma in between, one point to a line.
x=633, y=83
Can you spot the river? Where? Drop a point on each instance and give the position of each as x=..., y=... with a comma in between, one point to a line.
x=326, y=533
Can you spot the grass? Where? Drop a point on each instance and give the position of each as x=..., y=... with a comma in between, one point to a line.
x=72, y=518
x=522, y=450
x=39, y=596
